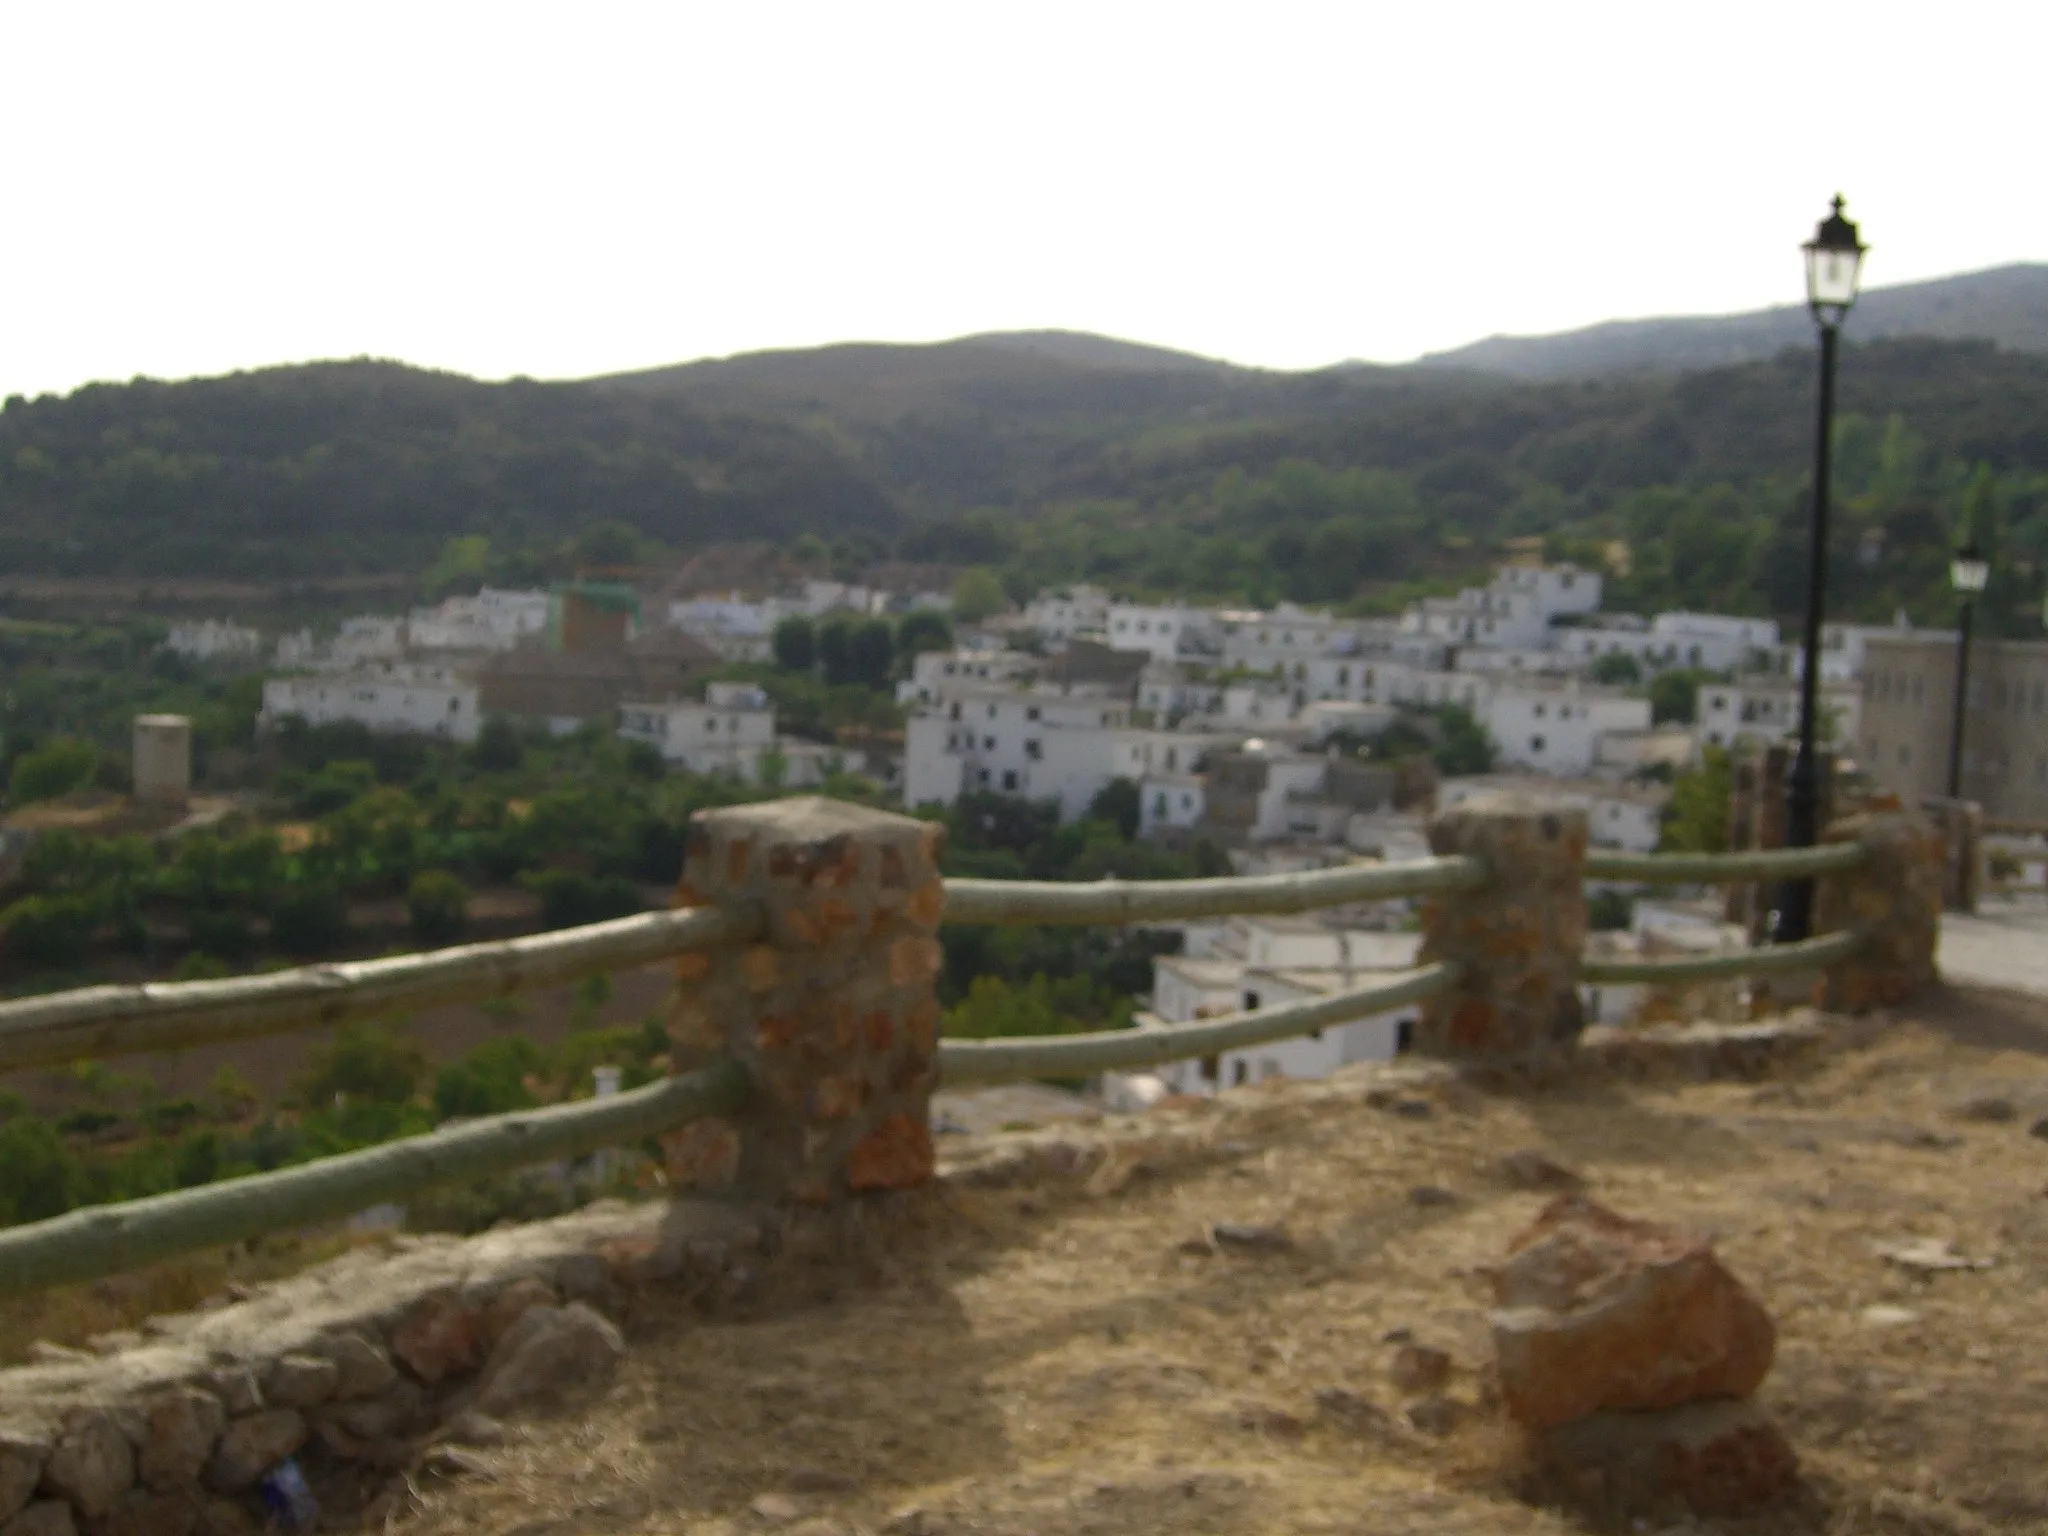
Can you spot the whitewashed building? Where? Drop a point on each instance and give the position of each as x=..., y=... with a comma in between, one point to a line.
x=1166, y=631
x=727, y=733
x=1767, y=710
x=424, y=701
x=1556, y=728
x=213, y=640
x=1068, y=613
x=1618, y=815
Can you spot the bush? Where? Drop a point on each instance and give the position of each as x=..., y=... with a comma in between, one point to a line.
x=57, y=767
x=221, y=931
x=796, y=644
x=1610, y=911
x=497, y=748
x=437, y=906
x=363, y=1062
x=49, y=931
x=490, y=1080
x=39, y=1177
x=309, y=919
x=569, y=899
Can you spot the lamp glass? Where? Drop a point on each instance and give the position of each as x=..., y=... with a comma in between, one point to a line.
x=1969, y=573
x=1834, y=266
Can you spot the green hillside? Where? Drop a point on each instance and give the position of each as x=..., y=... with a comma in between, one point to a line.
x=1047, y=455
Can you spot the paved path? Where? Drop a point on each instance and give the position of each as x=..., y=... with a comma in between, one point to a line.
x=2005, y=944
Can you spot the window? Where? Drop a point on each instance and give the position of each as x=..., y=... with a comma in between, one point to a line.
x=1034, y=750
x=991, y=711
x=1535, y=743
x=1239, y=1071
x=954, y=712
x=1212, y=1068
x=1010, y=779
x=1251, y=1002
x=1541, y=710
x=1031, y=713
x=988, y=743
x=983, y=777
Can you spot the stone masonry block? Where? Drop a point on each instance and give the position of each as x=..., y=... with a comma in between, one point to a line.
x=832, y=1011
x=1517, y=939
x=1894, y=898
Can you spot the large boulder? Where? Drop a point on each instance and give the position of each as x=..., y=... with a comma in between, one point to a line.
x=1597, y=1311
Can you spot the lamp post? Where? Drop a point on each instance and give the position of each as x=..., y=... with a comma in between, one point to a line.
x=1968, y=573
x=1834, y=263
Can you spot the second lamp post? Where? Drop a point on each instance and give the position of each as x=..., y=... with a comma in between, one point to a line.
x=1968, y=573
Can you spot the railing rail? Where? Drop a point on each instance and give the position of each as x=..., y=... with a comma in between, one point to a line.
x=1725, y=868
x=1141, y=901
x=103, y=1240
x=166, y=1016
x=1018, y=1058
x=1674, y=970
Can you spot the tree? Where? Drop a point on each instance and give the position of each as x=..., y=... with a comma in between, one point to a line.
x=1465, y=747
x=39, y=1177
x=497, y=748
x=796, y=644
x=1675, y=695
x=437, y=906
x=1696, y=816
x=1616, y=669
x=871, y=653
x=835, y=648
x=606, y=545
x=921, y=630
x=1117, y=803
x=57, y=767
x=49, y=931
x=977, y=595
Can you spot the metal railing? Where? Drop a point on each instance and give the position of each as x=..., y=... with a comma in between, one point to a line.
x=113, y=1020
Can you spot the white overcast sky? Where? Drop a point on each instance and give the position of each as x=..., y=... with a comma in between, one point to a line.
x=584, y=187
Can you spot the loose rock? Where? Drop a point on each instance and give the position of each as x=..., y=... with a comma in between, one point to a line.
x=1990, y=1110
x=1436, y=1415
x=440, y=1337
x=92, y=1463
x=1250, y=1239
x=2039, y=1128
x=1530, y=1169
x=475, y=1429
x=301, y=1381
x=21, y=1467
x=513, y=1303
x=361, y=1369
x=775, y=1508
x=45, y=1517
x=1352, y=1408
x=1597, y=1311
x=235, y=1386
x=1429, y=1196
x=180, y=1428
x=1717, y=1458
x=1928, y=1255
x=252, y=1446
x=143, y=1513
x=549, y=1348
x=1418, y=1368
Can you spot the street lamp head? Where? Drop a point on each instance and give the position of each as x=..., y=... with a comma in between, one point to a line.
x=1834, y=264
x=1969, y=572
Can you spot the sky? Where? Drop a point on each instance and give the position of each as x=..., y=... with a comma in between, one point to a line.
x=575, y=189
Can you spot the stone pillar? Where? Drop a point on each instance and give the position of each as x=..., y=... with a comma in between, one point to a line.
x=1961, y=823
x=1894, y=898
x=1518, y=938
x=832, y=1011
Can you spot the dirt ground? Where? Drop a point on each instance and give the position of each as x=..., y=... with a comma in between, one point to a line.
x=1060, y=1356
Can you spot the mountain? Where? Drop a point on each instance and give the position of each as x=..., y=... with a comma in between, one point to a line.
x=2006, y=305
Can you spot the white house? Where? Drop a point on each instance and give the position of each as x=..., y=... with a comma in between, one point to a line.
x=1067, y=613
x=1714, y=642
x=1556, y=728
x=1767, y=709
x=426, y=701
x=1514, y=610
x=728, y=733
x=495, y=619
x=213, y=640
x=1284, y=638
x=1166, y=631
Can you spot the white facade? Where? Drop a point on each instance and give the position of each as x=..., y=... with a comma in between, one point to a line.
x=728, y=733
x=1068, y=613
x=1712, y=641
x=1170, y=802
x=495, y=619
x=421, y=701
x=1281, y=640
x=1767, y=710
x=936, y=676
x=1514, y=610
x=213, y=640
x=1557, y=730
x=1166, y=631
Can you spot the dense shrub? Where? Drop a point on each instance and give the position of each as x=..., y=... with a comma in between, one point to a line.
x=437, y=906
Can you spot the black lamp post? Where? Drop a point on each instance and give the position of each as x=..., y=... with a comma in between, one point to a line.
x=1834, y=262
x=1968, y=573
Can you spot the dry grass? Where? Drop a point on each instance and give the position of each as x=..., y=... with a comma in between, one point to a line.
x=1049, y=1359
